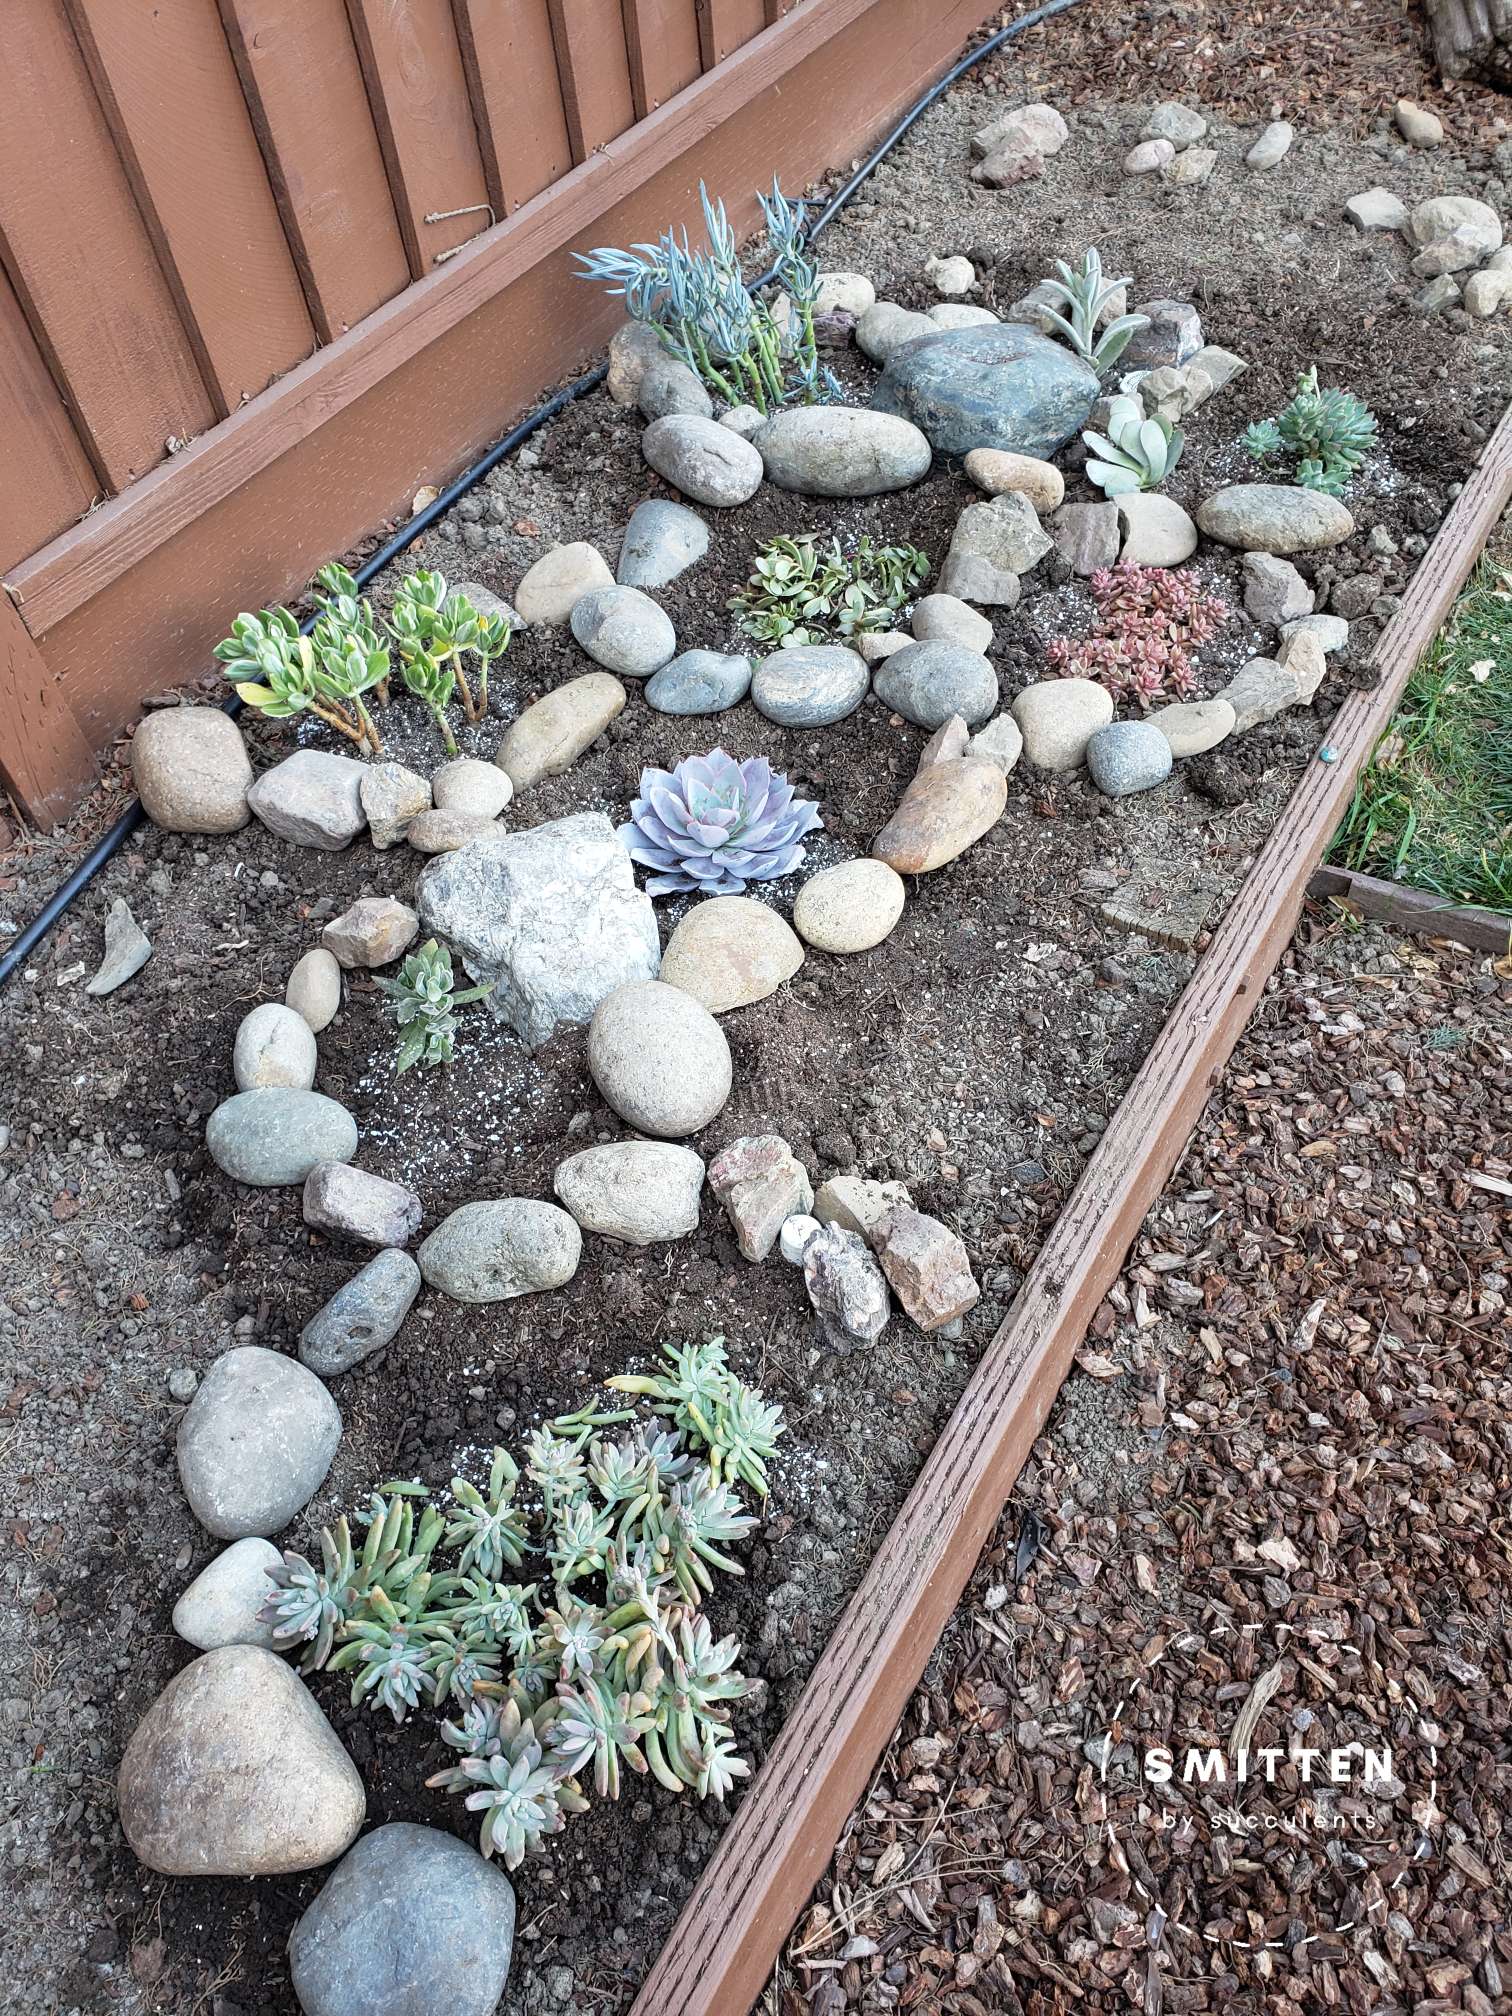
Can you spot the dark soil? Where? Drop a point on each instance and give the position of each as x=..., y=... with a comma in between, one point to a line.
x=977, y=1055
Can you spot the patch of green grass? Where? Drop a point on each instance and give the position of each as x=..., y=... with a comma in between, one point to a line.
x=1434, y=806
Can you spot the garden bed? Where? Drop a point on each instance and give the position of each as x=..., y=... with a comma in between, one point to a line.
x=976, y=1054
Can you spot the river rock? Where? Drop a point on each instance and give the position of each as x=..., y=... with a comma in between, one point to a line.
x=841, y=451
x=127, y=950
x=1189, y=168
x=312, y=798
x=314, y=988
x=948, y=741
x=273, y=1046
x=707, y=462
x=994, y=543
x=851, y=292
x=1376, y=210
x=221, y=1604
x=661, y=541
x=553, y=732
x=1157, y=532
x=363, y=1315
x=743, y=420
x=468, y=784
x=191, y=771
x=359, y=1205
x=1274, y=592
x=659, y=1058
x=761, y=1184
x=1000, y=742
x=792, y=1240
x=850, y=907
x=1274, y=518
x=1058, y=717
x=641, y=1193
x=847, y=1288
x=1173, y=121
x=700, y=682
x=1192, y=727
x=1439, y=295
x=811, y=685
x=885, y=328
x=1485, y=292
x=1303, y=656
x=624, y=630
x=1417, y=125
x=1332, y=632
x=875, y=645
x=1149, y=157
x=1273, y=145
x=255, y=1442
x=501, y=1247
x=1260, y=691
x=234, y=1771
x=946, y=619
x=1172, y=335
x=551, y=916
x=412, y=1922
x=996, y=471
x=729, y=951
x=929, y=682
x=276, y=1134
x=1038, y=127
x=633, y=347
x=960, y=315
x=373, y=931
x=668, y=385
x=1128, y=756
x=1010, y=165
x=1087, y=536
x=439, y=831
x=1000, y=386
x=390, y=797
x=1454, y=233
x=952, y=277
x=944, y=809
x=858, y=1203
x=552, y=586
x=926, y=1265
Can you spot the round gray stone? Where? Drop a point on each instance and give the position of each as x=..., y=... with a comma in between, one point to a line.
x=362, y=1316
x=468, y=784
x=811, y=685
x=313, y=798
x=314, y=987
x=501, y=1247
x=412, y=1922
x=191, y=772
x=841, y=451
x=255, y=1442
x=1128, y=756
x=670, y=386
x=221, y=1604
x=1002, y=385
x=638, y=1192
x=1274, y=518
x=274, y=1045
x=276, y=1134
x=659, y=1058
x=707, y=462
x=624, y=630
x=661, y=541
x=927, y=683
x=700, y=682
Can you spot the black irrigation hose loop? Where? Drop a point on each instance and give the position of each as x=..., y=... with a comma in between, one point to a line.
x=27, y=941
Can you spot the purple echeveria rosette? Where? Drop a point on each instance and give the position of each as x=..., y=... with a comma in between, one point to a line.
x=712, y=825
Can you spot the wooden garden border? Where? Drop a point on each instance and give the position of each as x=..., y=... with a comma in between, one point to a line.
x=1417, y=911
x=731, y=1932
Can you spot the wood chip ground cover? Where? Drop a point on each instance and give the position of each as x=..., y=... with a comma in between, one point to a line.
x=976, y=1055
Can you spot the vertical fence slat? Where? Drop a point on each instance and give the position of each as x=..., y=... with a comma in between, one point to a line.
x=412, y=64
x=167, y=85
x=510, y=60
x=309, y=109
x=726, y=25
x=80, y=257
x=594, y=64
x=46, y=762
x=665, y=57
x=52, y=481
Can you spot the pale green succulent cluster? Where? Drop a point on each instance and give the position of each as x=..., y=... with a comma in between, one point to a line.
x=425, y=998
x=605, y=1661
x=1086, y=296
x=802, y=591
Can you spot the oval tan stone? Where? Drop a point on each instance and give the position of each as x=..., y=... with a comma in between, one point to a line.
x=851, y=907
x=1194, y=726
x=191, y=770
x=439, y=831
x=944, y=810
x=997, y=470
x=234, y=1771
x=552, y=733
x=729, y=952
x=549, y=590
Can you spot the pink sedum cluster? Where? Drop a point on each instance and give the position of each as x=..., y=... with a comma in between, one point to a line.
x=1149, y=622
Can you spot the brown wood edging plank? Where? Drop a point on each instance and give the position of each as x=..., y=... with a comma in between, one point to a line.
x=1419, y=911
x=731, y=1931
x=78, y=565
x=46, y=762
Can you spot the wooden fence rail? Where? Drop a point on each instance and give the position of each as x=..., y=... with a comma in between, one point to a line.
x=266, y=265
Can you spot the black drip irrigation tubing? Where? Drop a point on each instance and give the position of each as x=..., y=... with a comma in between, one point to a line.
x=27, y=941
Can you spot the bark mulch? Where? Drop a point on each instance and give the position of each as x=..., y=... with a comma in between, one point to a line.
x=1270, y=1510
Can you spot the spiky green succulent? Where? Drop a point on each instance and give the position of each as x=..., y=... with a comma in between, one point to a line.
x=1086, y=297
x=308, y=1605
x=736, y=1423
x=1327, y=432
x=491, y=1531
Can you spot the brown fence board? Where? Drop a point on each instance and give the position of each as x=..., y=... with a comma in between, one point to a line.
x=727, y=25
x=53, y=481
x=661, y=37
x=733, y=1927
x=168, y=87
x=594, y=64
x=412, y=64
x=46, y=761
x=81, y=259
x=309, y=109
x=510, y=59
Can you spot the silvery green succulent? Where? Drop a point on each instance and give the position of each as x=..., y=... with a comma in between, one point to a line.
x=1085, y=294
x=308, y=1605
x=579, y=1539
x=425, y=1001
x=555, y=1466
x=522, y=1798
x=713, y=825
x=1135, y=454
x=491, y=1531
x=735, y=1423
x=596, y=1726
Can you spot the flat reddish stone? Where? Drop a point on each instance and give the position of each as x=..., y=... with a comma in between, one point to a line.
x=926, y=1265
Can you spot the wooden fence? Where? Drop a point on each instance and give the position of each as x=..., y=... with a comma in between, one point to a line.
x=268, y=264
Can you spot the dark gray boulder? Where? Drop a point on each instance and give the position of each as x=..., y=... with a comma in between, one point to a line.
x=1000, y=385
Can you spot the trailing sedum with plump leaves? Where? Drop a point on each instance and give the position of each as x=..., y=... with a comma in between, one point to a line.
x=604, y=1663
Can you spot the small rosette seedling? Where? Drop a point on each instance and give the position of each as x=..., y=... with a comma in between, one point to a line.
x=425, y=999
x=1135, y=453
x=1327, y=433
x=713, y=825
x=1085, y=295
